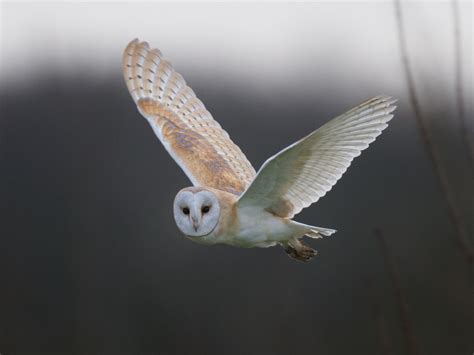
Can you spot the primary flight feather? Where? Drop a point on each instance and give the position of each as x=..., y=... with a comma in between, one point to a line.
x=187, y=130
x=230, y=203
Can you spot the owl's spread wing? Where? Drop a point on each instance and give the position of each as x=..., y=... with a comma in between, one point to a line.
x=300, y=174
x=187, y=130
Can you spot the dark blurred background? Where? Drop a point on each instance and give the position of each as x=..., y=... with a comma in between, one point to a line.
x=90, y=259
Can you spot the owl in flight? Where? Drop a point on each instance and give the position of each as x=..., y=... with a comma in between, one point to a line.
x=230, y=203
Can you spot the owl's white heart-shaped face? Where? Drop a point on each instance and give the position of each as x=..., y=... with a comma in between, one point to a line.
x=196, y=213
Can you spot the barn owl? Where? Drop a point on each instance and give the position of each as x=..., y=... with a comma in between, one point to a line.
x=229, y=203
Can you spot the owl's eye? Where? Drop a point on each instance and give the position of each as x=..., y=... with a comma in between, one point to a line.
x=186, y=210
x=205, y=209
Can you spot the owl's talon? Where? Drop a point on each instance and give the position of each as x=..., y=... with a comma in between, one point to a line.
x=299, y=251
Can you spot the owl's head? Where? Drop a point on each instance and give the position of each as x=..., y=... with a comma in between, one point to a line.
x=196, y=211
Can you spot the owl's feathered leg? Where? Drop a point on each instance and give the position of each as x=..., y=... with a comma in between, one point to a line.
x=299, y=251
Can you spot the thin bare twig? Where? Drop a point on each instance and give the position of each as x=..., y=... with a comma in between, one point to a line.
x=462, y=239
x=459, y=86
x=407, y=328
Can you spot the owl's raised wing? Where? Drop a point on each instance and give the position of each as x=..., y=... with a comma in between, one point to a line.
x=300, y=174
x=187, y=130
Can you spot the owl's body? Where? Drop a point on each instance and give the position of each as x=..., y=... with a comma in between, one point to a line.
x=247, y=227
x=243, y=228
x=230, y=203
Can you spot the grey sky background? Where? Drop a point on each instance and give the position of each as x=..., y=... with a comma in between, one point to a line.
x=294, y=47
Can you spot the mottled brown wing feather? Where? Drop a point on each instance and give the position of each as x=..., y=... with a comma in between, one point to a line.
x=187, y=130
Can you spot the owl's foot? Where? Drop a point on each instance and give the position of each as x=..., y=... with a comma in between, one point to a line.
x=299, y=251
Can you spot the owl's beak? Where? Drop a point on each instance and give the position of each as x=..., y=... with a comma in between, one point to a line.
x=195, y=223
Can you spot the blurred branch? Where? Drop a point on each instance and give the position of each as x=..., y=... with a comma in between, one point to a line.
x=380, y=322
x=459, y=87
x=461, y=234
x=411, y=344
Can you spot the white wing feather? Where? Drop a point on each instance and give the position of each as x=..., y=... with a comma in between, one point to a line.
x=305, y=171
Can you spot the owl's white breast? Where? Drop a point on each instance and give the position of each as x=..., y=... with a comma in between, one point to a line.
x=246, y=227
x=259, y=228
x=254, y=227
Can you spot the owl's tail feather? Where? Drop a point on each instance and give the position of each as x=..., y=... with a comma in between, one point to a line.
x=319, y=232
x=302, y=229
